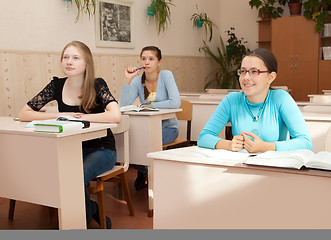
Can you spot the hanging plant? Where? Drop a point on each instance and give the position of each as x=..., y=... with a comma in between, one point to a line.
x=84, y=6
x=161, y=11
x=200, y=19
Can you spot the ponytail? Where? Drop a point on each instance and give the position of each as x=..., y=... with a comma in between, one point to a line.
x=143, y=79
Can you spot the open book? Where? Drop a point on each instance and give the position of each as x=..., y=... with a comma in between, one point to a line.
x=141, y=107
x=288, y=159
x=293, y=159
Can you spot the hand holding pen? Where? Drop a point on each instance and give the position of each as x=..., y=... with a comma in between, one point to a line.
x=130, y=73
x=133, y=70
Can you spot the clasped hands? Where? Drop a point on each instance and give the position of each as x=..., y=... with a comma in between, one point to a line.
x=252, y=145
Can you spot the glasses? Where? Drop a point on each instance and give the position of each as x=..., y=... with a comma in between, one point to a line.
x=253, y=72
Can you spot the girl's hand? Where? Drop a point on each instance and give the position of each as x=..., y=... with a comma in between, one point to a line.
x=237, y=143
x=78, y=115
x=73, y=114
x=129, y=74
x=256, y=144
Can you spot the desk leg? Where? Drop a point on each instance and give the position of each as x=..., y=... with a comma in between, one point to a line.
x=145, y=136
x=150, y=190
x=155, y=126
x=72, y=214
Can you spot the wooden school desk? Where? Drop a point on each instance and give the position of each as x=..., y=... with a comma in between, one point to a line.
x=145, y=136
x=46, y=168
x=207, y=193
x=326, y=91
x=318, y=125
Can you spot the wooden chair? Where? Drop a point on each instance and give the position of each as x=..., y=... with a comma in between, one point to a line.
x=185, y=114
x=117, y=173
x=121, y=133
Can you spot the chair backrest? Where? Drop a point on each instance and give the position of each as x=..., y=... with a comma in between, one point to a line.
x=186, y=113
x=327, y=146
x=121, y=134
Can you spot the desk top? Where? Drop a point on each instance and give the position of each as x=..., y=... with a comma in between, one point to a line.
x=316, y=116
x=153, y=113
x=191, y=94
x=203, y=101
x=8, y=125
x=189, y=155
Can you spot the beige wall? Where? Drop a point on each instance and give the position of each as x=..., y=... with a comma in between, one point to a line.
x=43, y=25
x=34, y=32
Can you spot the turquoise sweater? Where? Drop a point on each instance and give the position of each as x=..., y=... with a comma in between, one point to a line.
x=279, y=119
x=167, y=95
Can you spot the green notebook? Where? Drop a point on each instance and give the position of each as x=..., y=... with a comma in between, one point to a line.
x=54, y=126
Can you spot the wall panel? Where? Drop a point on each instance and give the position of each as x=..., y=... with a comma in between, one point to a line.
x=24, y=74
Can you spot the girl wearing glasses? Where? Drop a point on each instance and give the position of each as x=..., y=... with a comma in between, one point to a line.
x=262, y=119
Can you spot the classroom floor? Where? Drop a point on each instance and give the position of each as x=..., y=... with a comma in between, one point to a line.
x=36, y=217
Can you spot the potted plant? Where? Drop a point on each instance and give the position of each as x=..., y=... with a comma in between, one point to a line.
x=228, y=58
x=317, y=10
x=160, y=9
x=84, y=6
x=200, y=19
x=295, y=6
x=267, y=8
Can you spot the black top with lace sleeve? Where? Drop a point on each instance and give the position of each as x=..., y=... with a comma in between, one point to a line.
x=53, y=91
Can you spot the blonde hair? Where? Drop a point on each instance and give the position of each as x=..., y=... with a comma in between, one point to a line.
x=88, y=100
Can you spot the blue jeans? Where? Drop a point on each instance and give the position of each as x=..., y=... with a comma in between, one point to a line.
x=95, y=162
x=168, y=135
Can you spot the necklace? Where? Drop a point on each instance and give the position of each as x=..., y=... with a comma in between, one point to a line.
x=257, y=117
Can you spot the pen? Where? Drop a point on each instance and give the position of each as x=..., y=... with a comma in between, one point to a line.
x=136, y=70
x=85, y=123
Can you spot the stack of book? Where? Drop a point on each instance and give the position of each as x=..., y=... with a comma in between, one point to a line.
x=326, y=53
x=327, y=30
x=59, y=125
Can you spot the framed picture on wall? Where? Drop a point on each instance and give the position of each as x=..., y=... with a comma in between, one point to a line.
x=114, y=24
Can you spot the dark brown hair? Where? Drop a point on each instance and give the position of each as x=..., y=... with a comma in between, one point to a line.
x=267, y=57
x=143, y=77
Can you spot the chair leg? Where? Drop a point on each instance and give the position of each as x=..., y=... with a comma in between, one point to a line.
x=101, y=206
x=12, y=204
x=119, y=190
x=127, y=193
